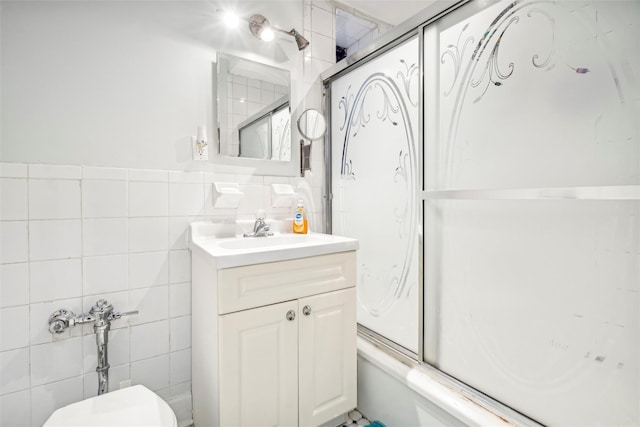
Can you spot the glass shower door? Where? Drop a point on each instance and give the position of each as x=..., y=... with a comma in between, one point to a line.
x=376, y=178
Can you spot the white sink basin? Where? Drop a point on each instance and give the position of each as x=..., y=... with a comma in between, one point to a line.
x=237, y=251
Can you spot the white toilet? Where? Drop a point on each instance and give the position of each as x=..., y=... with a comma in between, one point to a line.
x=131, y=406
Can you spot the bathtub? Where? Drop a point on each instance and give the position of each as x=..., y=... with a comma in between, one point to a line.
x=398, y=394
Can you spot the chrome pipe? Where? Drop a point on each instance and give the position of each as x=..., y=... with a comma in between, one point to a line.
x=101, y=315
x=102, y=339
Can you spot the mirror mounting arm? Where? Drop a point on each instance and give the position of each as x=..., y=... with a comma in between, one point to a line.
x=305, y=157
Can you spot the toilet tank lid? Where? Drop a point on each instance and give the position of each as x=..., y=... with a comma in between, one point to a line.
x=131, y=406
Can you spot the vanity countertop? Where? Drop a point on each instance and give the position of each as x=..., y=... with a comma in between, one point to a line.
x=226, y=252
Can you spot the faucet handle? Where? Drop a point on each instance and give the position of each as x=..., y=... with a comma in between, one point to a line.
x=125, y=313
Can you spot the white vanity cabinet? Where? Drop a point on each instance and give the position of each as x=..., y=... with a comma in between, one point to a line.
x=274, y=344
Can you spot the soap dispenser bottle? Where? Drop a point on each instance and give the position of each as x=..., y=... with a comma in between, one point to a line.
x=300, y=224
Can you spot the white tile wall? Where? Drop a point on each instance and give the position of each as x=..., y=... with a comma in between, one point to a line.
x=14, y=241
x=105, y=274
x=16, y=409
x=148, y=175
x=153, y=304
x=72, y=235
x=54, y=171
x=180, y=362
x=148, y=269
x=153, y=372
x=179, y=266
x=56, y=361
x=102, y=173
x=14, y=327
x=149, y=340
x=54, y=199
x=13, y=199
x=102, y=199
x=180, y=331
x=104, y=236
x=186, y=199
x=14, y=170
x=179, y=231
x=323, y=48
x=149, y=234
x=180, y=299
x=322, y=19
x=55, y=239
x=14, y=365
x=54, y=280
x=148, y=199
x=14, y=284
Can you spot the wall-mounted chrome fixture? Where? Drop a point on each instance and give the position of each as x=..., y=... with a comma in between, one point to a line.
x=311, y=125
x=305, y=157
x=261, y=28
x=101, y=315
x=300, y=40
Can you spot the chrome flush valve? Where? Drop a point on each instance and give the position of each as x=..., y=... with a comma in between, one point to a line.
x=101, y=313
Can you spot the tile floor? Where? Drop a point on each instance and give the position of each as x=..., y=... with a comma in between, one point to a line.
x=355, y=418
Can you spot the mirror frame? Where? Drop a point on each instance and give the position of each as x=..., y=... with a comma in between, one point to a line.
x=245, y=165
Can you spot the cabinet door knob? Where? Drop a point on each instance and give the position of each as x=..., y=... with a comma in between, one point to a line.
x=306, y=310
x=291, y=315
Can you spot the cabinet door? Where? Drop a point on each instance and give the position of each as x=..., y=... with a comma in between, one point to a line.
x=259, y=367
x=327, y=334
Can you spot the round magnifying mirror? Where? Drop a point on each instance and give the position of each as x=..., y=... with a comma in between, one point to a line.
x=312, y=124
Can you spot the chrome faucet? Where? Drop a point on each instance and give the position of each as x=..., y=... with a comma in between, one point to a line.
x=260, y=227
x=101, y=315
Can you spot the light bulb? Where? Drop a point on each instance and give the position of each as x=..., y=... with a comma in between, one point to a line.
x=231, y=19
x=267, y=34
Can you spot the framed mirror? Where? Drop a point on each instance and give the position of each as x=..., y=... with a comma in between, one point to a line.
x=253, y=115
